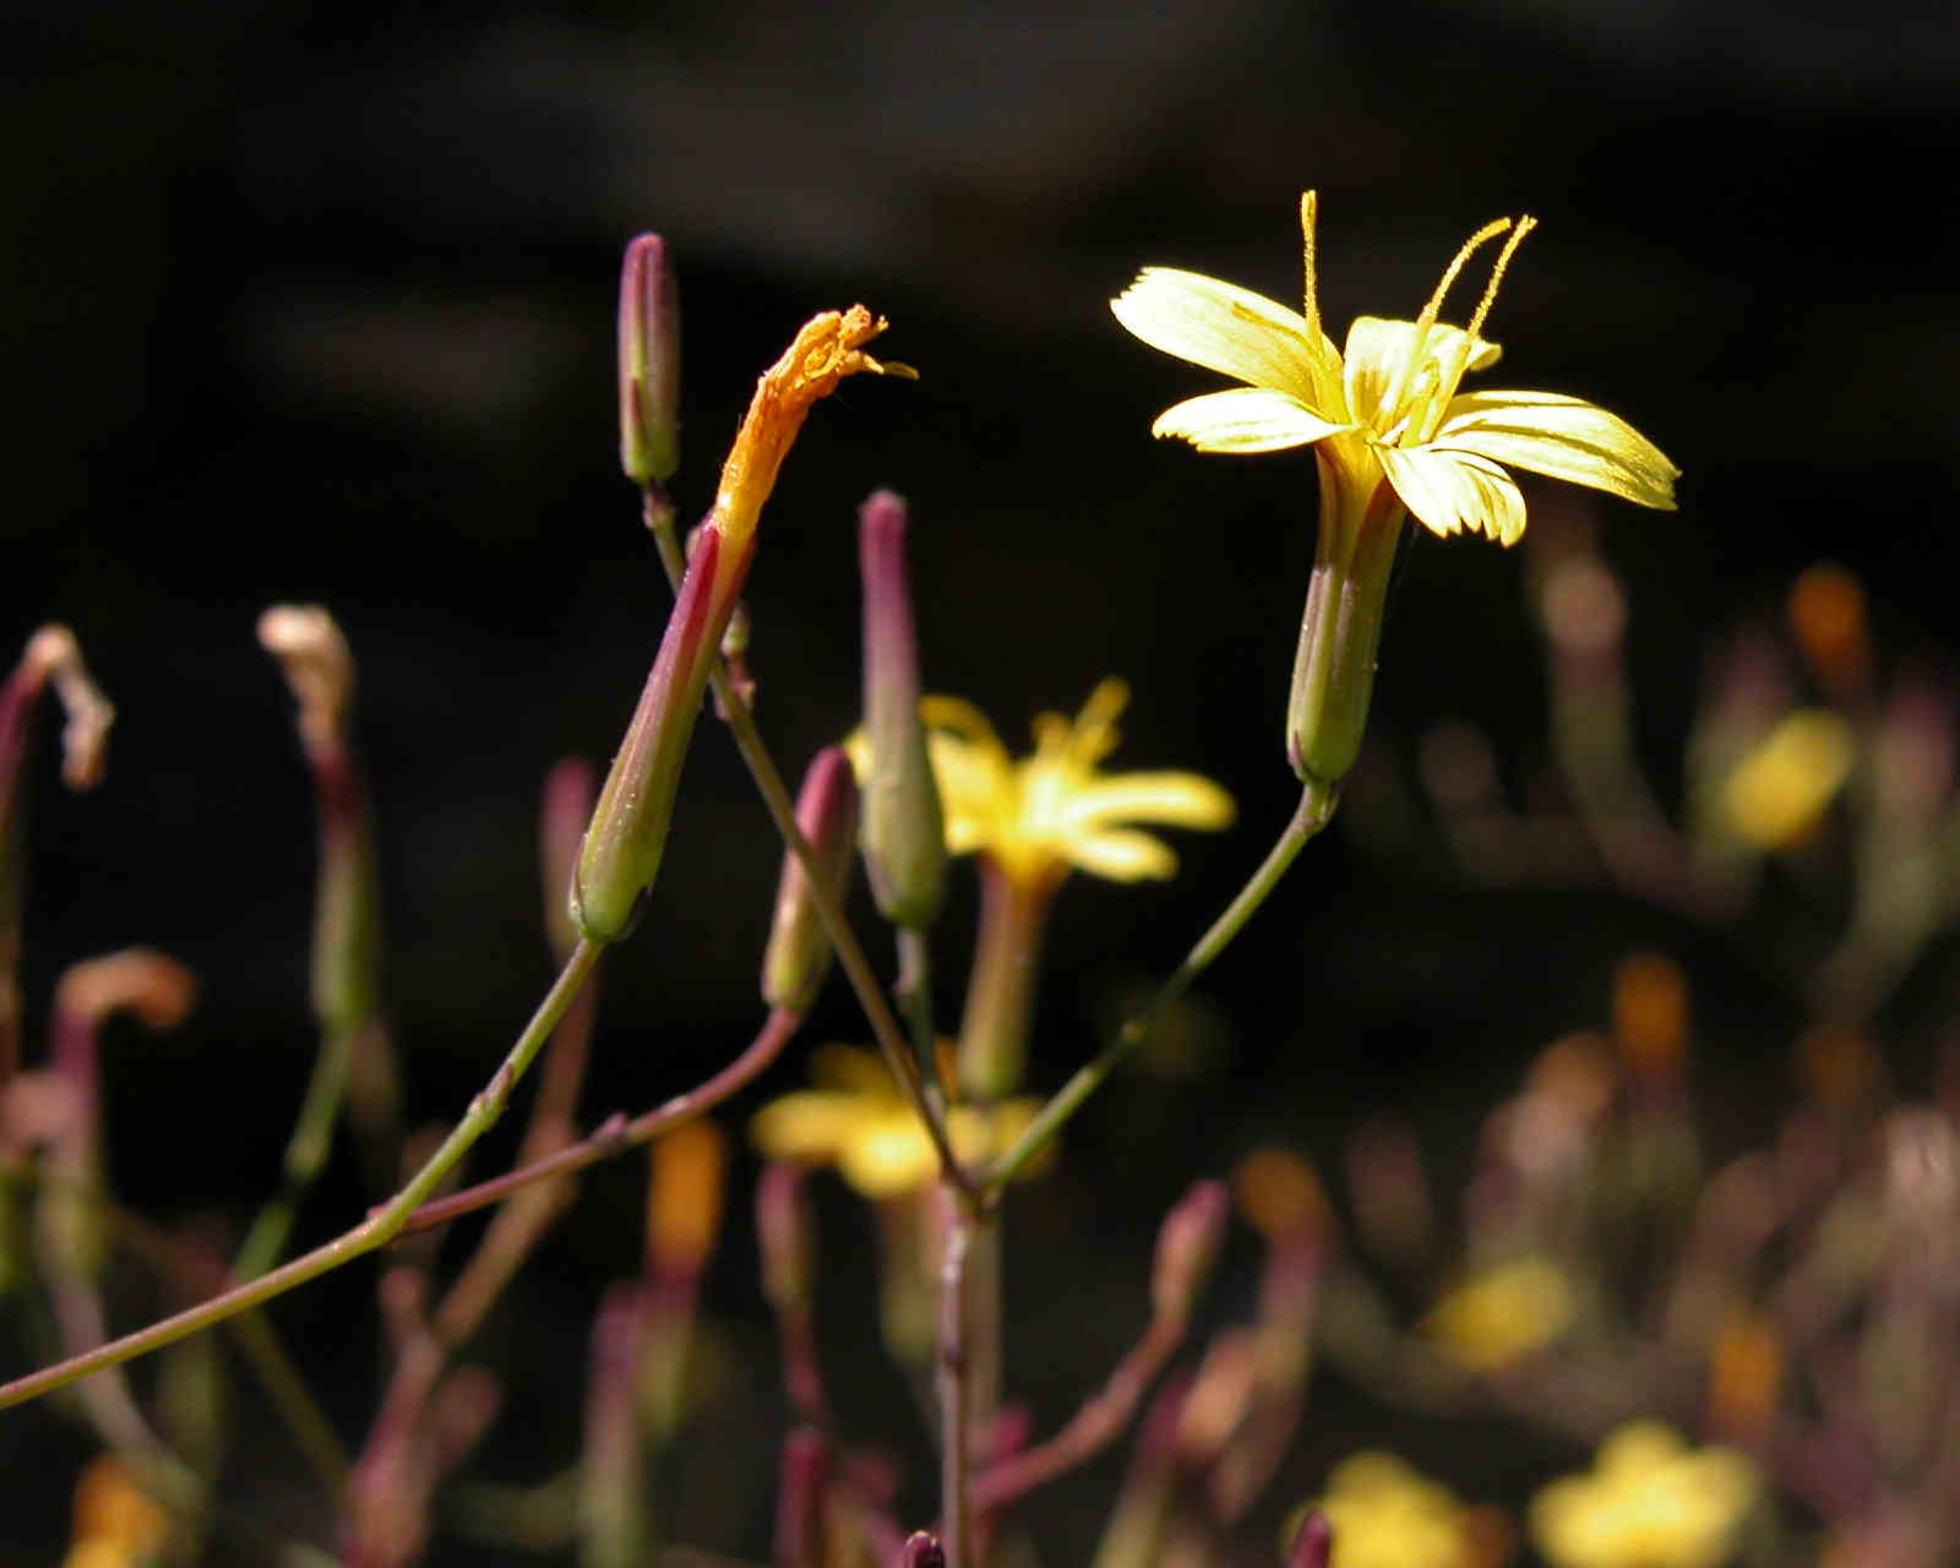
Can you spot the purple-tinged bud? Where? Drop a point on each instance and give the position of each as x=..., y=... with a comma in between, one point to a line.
x=904, y=829
x=628, y=835
x=784, y=1236
x=921, y=1550
x=1187, y=1246
x=803, y=1501
x=1313, y=1543
x=649, y=364
x=799, y=953
x=566, y=808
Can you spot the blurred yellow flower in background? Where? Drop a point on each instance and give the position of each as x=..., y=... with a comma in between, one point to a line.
x=1649, y=1501
x=1780, y=791
x=1385, y=408
x=1039, y=816
x=1502, y=1314
x=116, y=1523
x=857, y=1120
x=1386, y=1515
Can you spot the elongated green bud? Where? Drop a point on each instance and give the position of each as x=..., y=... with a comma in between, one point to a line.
x=649, y=364
x=628, y=835
x=904, y=829
x=1340, y=633
x=799, y=952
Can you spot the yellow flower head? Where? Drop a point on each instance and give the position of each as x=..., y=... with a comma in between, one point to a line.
x=1385, y=1515
x=116, y=1523
x=1502, y=1314
x=1780, y=791
x=1649, y=1502
x=1036, y=817
x=857, y=1120
x=1385, y=409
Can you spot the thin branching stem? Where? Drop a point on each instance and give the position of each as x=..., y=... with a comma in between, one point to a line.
x=1315, y=810
x=380, y=1227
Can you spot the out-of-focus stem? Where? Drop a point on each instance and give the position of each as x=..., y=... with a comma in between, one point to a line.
x=380, y=1228
x=1000, y=991
x=955, y=1416
x=1316, y=809
x=782, y=811
x=617, y=1134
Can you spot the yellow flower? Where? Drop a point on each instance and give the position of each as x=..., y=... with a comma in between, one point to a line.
x=1779, y=792
x=858, y=1121
x=1385, y=1515
x=1386, y=407
x=1038, y=817
x=116, y=1523
x=1502, y=1314
x=1649, y=1502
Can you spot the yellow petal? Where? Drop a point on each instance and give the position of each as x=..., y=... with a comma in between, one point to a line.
x=1448, y=491
x=1779, y=792
x=1245, y=419
x=1378, y=350
x=1183, y=800
x=1564, y=438
x=889, y=1156
x=1223, y=327
x=1120, y=854
x=810, y=1124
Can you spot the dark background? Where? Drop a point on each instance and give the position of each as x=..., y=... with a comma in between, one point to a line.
x=306, y=302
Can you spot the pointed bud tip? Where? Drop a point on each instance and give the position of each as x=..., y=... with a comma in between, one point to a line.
x=649, y=363
x=921, y=1550
x=1313, y=1545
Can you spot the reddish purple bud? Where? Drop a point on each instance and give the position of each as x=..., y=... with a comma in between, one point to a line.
x=565, y=810
x=798, y=956
x=1187, y=1246
x=784, y=1236
x=649, y=364
x=904, y=830
x=921, y=1550
x=628, y=836
x=1313, y=1546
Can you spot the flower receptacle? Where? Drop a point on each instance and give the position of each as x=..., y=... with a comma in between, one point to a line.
x=1340, y=633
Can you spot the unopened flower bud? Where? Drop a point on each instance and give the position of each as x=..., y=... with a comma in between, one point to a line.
x=628, y=834
x=649, y=364
x=798, y=956
x=921, y=1551
x=565, y=810
x=784, y=1235
x=1650, y=1015
x=904, y=828
x=1187, y=1246
x=1827, y=617
x=684, y=1197
x=1313, y=1542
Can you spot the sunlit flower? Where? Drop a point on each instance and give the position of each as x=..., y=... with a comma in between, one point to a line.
x=1780, y=791
x=1649, y=1501
x=1386, y=1515
x=857, y=1120
x=1393, y=436
x=1502, y=1315
x=1386, y=407
x=1038, y=816
x=117, y=1525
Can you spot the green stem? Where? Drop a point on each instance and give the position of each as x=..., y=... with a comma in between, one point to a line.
x=955, y=1390
x=776, y=797
x=376, y=1231
x=306, y=1153
x=1316, y=809
x=914, y=991
x=1000, y=992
